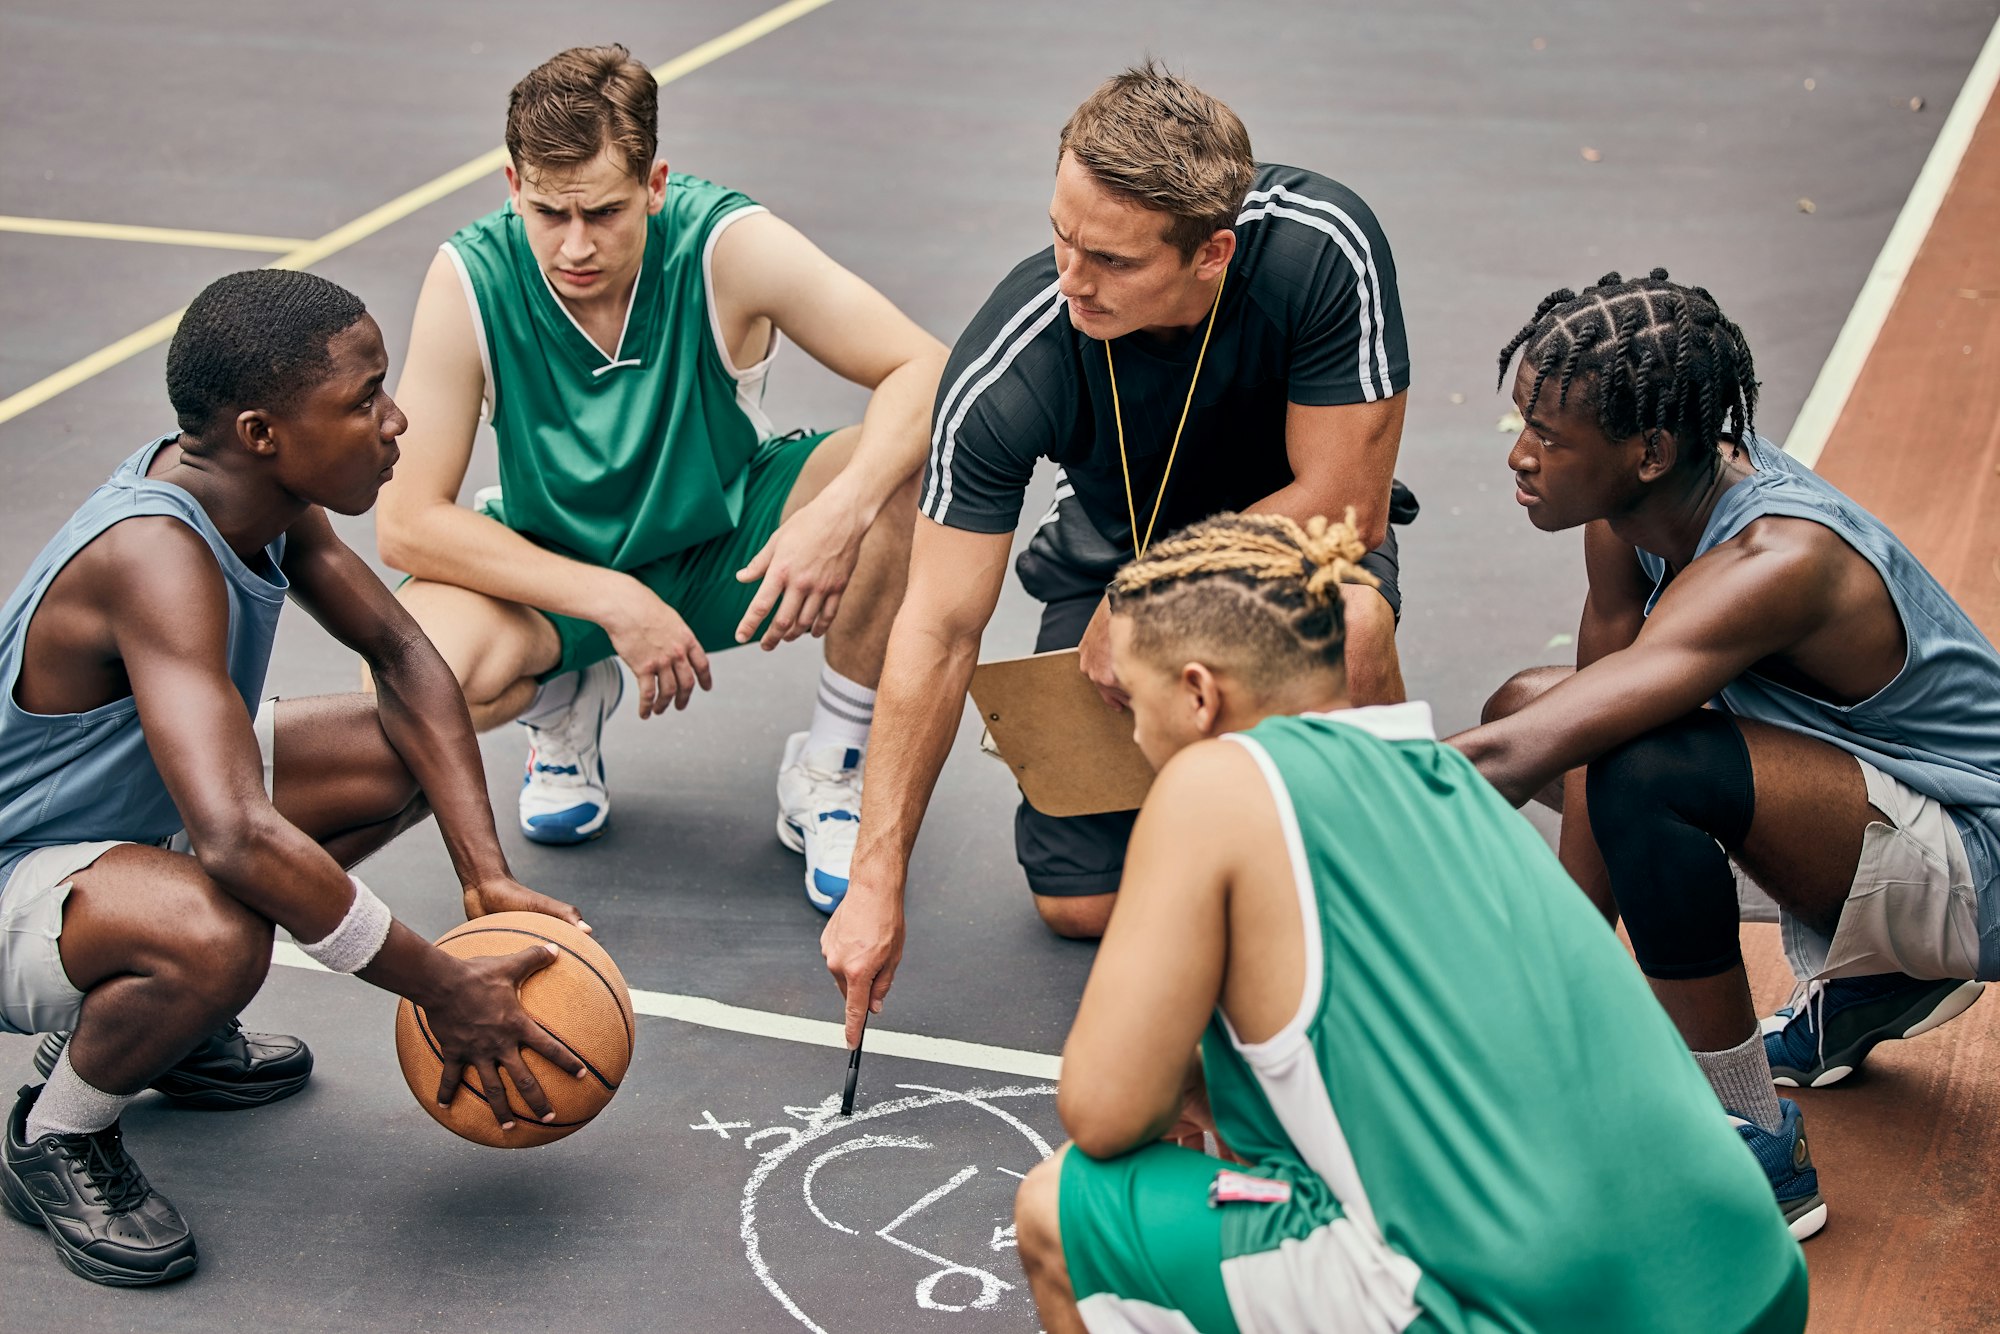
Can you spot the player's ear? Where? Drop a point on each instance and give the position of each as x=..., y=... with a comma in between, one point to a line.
x=1214, y=255
x=656, y=186
x=513, y=186
x=1662, y=452
x=254, y=432
x=1203, y=696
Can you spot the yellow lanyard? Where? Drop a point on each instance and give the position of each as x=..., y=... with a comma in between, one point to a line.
x=1139, y=544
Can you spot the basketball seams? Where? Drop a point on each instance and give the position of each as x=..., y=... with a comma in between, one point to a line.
x=569, y=993
x=617, y=989
x=424, y=1031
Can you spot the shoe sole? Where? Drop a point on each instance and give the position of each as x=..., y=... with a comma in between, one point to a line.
x=200, y=1095
x=567, y=840
x=1809, y=1222
x=1846, y=1061
x=84, y=1266
x=794, y=838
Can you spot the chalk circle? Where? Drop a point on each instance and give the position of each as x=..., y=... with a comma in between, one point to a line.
x=948, y=1236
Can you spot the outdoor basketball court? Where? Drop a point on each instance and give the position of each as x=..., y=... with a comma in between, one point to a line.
x=1763, y=150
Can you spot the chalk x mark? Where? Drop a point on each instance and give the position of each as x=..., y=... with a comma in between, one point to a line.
x=722, y=1128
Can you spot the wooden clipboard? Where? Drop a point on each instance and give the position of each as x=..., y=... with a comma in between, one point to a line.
x=1071, y=753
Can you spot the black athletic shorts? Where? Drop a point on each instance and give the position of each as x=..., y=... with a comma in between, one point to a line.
x=1066, y=567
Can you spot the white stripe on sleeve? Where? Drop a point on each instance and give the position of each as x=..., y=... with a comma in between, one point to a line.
x=972, y=368
x=945, y=443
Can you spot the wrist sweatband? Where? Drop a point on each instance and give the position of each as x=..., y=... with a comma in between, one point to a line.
x=353, y=945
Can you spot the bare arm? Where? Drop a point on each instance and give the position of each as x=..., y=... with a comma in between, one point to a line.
x=1341, y=456
x=955, y=579
x=1729, y=610
x=422, y=711
x=765, y=268
x=169, y=614
x=1159, y=970
x=420, y=528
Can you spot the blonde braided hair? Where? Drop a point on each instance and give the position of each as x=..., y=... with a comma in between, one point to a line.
x=1260, y=591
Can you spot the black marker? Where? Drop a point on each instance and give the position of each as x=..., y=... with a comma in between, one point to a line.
x=853, y=1070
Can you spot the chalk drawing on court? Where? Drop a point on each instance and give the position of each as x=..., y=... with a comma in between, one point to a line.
x=906, y=1190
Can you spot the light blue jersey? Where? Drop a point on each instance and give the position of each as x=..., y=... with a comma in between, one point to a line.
x=1936, y=726
x=82, y=777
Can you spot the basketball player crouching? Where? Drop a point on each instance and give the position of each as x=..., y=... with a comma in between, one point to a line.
x=156, y=821
x=1436, y=1062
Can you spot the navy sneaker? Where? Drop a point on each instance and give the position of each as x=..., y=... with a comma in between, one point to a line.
x=1787, y=1163
x=1824, y=1036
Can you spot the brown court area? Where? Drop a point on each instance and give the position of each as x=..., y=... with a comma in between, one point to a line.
x=1909, y=1143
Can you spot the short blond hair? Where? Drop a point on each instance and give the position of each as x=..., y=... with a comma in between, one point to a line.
x=575, y=105
x=1153, y=138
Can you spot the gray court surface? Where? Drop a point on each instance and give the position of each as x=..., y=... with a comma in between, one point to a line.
x=915, y=142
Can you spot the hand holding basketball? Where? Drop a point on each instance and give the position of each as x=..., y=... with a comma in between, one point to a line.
x=480, y=1025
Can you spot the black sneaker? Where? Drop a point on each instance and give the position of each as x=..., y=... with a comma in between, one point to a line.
x=230, y=1069
x=107, y=1222
x=1829, y=1030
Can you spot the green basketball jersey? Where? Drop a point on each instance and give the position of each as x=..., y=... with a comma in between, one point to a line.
x=624, y=456
x=1488, y=1122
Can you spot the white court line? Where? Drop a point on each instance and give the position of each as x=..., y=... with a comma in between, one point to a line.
x=1885, y=280
x=707, y=1013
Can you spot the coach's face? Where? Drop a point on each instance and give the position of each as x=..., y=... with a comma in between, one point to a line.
x=1117, y=271
x=587, y=224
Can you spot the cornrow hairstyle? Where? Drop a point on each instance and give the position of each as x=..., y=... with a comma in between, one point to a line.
x=256, y=339
x=1655, y=356
x=1258, y=591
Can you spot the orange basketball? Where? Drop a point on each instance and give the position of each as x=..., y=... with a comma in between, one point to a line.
x=580, y=998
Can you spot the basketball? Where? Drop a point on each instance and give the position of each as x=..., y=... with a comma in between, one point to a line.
x=580, y=999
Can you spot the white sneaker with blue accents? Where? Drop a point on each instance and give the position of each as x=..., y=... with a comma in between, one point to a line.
x=562, y=794
x=819, y=813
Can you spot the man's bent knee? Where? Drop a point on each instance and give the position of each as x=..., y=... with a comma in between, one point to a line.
x=222, y=951
x=1082, y=917
x=1521, y=690
x=1038, y=1213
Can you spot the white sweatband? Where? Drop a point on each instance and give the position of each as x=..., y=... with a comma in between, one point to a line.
x=353, y=945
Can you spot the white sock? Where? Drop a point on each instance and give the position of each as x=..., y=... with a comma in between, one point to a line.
x=551, y=698
x=842, y=713
x=70, y=1106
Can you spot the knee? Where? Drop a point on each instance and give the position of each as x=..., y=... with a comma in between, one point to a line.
x=1520, y=690
x=1038, y=1214
x=1080, y=918
x=224, y=950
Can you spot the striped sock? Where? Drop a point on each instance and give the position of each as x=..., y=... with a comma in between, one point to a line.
x=841, y=714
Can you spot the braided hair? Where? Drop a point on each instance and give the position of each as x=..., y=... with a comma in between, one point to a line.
x=1656, y=355
x=1258, y=591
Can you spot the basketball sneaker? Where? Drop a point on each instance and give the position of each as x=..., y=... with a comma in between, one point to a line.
x=1831, y=1026
x=819, y=814
x=562, y=794
x=1787, y=1162
x=107, y=1222
x=230, y=1069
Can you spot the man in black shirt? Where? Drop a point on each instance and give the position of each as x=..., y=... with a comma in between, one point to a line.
x=1206, y=334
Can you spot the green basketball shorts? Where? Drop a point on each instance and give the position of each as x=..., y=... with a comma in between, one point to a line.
x=700, y=582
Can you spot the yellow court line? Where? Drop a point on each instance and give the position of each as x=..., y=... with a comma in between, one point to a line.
x=373, y=221
x=118, y=231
